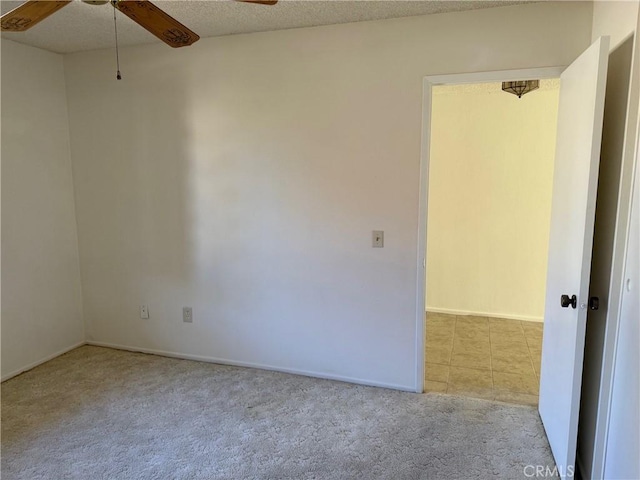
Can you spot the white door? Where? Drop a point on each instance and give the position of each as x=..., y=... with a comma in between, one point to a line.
x=575, y=182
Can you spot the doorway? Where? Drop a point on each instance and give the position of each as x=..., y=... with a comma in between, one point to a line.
x=571, y=237
x=488, y=203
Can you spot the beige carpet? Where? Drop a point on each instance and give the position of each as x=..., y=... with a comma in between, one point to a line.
x=97, y=413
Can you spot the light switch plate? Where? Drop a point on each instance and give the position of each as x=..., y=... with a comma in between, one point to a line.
x=187, y=314
x=377, y=239
x=144, y=311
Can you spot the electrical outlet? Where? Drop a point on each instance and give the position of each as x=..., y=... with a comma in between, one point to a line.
x=187, y=314
x=144, y=311
x=377, y=239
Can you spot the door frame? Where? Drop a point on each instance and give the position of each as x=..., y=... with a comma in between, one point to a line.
x=629, y=163
x=427, y=91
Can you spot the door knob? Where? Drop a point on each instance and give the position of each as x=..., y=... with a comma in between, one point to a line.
x=594, y=303
x=565, y=301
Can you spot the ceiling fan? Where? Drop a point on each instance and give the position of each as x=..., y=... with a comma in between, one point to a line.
x=143, y=12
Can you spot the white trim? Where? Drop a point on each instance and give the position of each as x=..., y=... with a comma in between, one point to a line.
x=422, y=234
x=41, y=361
x=427, y=86
x=508, y=316
x=260, y=366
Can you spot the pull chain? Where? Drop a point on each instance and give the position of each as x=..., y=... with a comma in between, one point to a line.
x=115, y=26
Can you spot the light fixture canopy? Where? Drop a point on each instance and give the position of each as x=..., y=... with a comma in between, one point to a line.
x=520, y=87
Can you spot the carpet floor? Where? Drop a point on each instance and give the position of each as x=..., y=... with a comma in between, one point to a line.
x=98, y=413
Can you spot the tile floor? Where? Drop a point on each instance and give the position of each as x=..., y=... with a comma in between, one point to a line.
x=483, y=357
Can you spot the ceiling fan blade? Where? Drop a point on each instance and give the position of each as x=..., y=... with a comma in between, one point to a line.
x=261, y=2
x=166, y=28
x=29, y=13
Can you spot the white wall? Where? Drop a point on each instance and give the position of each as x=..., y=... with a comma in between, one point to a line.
x=490, y=179
x=243, y=176
x=614, y=18
x=41, y=296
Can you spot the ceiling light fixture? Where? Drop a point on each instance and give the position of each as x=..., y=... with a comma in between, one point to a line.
x=520, y=87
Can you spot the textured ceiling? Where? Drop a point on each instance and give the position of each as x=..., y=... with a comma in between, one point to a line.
x=80, y=26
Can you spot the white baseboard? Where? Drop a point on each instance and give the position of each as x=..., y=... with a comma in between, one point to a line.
x=509, y=316
x=41, y=361
x=235, y=363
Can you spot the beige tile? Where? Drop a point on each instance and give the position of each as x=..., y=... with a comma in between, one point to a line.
x=441, y=330
x=471, y=383
x=532, y=332
x=513, y=382
x=439, y=341
x=470, y=378
x=534, y=342
x=438, y=387
x=440, y=335
x=441, y=316
x=510, y=336
x=536, y=368
x=437, y=373
x=473, y=392
x=472, y=320
x=440, y=320
x=505, y=325
x=535, y=347
x=483, y=357
x=501, y=361
x=467, y=331
x=438, y=354
x=510, y=350
x=499, y=349
x=471, y=345
x=472, y=333
x=536, y=360
x=439, y=323
x=472, y=330
x=532, y=327
x=471, y=360
x=535, y=350
x=513, y=350
x=435, y=341
x=519, y=364
x=469, y=324
x=519, y=398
